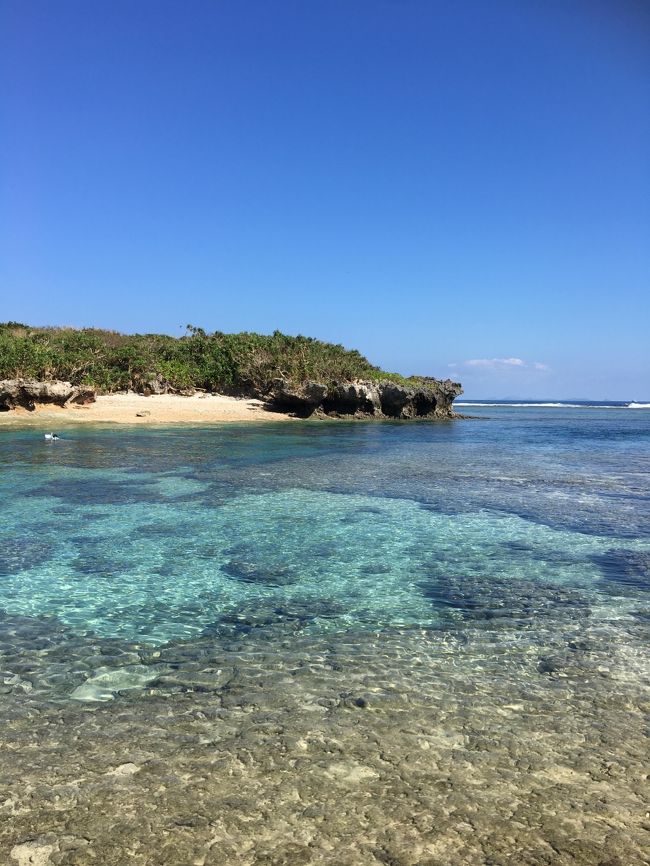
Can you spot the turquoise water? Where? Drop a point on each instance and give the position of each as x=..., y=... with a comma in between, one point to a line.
x=172, y=534
x=327, y=642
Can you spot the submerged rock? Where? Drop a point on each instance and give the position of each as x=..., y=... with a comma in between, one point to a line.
x=252, y=572
x=20, y=554
x=106, y=682
x=625, y=569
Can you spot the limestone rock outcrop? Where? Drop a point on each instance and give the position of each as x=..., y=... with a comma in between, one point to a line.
x=155, y=386
x=159, y=385
x=430, y=398
x=26, y=393
x=302, y=399
x=353, y=398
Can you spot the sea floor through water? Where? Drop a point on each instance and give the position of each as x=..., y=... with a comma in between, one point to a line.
x=328, y=643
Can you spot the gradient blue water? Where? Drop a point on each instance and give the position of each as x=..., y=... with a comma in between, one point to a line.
x=161, y=535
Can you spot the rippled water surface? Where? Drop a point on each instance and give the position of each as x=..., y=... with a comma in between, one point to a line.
x=297, y=637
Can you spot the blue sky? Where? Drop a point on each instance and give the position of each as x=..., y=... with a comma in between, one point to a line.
x=457, y=188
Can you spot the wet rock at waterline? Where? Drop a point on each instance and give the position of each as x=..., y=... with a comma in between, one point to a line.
x=430, y=398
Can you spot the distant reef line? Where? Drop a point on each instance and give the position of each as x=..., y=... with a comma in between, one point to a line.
x=300, y=375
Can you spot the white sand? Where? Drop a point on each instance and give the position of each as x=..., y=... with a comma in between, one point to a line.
x=136, y=409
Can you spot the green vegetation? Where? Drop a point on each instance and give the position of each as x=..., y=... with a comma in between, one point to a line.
x=229, y=363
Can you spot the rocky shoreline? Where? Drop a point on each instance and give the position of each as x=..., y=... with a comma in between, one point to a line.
x=433, y=399
x=366, y=399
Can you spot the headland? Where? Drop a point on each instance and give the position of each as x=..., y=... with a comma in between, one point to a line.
x=104, y=376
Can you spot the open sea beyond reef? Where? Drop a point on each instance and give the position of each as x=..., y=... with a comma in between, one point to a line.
x=328, y=642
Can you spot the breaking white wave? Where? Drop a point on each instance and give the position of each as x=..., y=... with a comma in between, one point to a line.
x=556, y=405
x=534, y=405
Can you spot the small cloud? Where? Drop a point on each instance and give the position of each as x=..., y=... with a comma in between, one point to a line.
x=495, y=363
x=502, y=364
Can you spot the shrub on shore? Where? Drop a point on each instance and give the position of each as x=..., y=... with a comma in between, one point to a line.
x=230, y=363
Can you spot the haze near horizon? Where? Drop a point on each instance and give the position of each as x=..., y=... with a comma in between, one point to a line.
x=455, y=190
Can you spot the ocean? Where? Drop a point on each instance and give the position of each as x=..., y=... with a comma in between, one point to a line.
x=556, y=404
x=328, y=642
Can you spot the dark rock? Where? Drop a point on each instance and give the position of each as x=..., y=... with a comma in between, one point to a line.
x=579, y=645
x=84, y=491
x=353, y=398
x=432, y=398
x=250, y=572
x=512, y=603
x=396, y=400
x=84, y=395
x=302, y=399
x=159, y=385
x=375, y=568
x=548, y=666
x=625, y=569
x=20, y=554
x=26, y=393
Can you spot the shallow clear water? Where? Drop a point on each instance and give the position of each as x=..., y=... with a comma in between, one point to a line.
x=163, y=535
x=442, y=625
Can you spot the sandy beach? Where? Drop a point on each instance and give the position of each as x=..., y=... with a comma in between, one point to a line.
x=157, y=409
